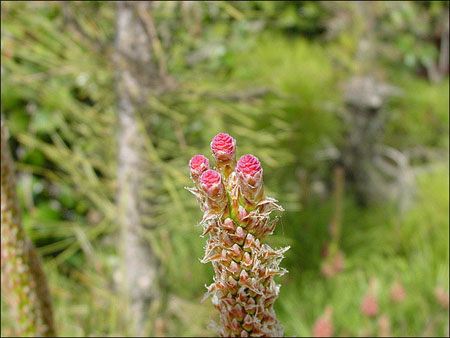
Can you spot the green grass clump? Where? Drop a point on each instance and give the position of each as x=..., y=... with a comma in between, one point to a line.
x=420, y=117
x=413, y=248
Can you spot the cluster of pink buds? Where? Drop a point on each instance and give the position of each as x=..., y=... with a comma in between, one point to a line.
x=236, y=217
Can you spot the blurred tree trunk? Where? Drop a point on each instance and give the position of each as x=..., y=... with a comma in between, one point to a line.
x=137, y=77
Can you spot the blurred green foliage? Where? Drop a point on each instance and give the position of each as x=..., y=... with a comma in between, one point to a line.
x=268, y=73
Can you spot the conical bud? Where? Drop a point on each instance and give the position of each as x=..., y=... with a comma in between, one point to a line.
x=223, y=148
x=369, y=304
x=250, y=179
x=198, y=165
x=211, y=184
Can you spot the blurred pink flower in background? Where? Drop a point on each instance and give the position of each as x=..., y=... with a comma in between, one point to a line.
x=333, y=266
x=369, y=304
x=397, y=292
x=339, y=262
x=384, y=326
x=442, y=297
x=323, y=327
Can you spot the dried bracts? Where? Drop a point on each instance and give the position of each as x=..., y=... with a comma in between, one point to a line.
x=236, y=217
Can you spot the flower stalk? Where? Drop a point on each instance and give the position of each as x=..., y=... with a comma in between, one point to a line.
x=23, y=280
x=237, y=219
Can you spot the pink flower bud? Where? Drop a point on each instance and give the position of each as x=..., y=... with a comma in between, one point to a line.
x=250, y=180
x=198, y=165
x=210, y=180
x=397, y=292
x=339, y=262
x=249, y=165
x=223, y=147
x=369, y=305
x=211, y=184
x=442, y=297
x=327, y=269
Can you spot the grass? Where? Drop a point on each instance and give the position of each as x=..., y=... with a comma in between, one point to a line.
x=377, y=243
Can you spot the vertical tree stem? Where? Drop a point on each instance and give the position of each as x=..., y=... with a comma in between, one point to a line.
x=135, y=72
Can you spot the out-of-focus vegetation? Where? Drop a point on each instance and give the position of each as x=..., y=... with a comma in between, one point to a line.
x=270, y=74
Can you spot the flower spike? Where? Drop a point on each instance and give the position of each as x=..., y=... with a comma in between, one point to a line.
x=237, y=219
